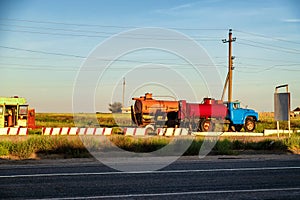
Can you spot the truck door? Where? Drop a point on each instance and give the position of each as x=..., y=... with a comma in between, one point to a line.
x=22, y=118
x=136, y=112
x=2, y=116
x=237, y=114
x=31, y=118
x=10, y=116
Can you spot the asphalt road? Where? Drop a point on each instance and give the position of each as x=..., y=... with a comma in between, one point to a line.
x=252, y=177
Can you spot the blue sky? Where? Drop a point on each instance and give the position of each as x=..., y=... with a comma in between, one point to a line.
x=44, y=44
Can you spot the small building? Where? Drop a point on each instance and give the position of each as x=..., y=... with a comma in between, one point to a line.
x=296, y=112
x=126, y=110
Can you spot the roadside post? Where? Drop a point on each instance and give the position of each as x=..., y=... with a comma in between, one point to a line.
x=282, y=107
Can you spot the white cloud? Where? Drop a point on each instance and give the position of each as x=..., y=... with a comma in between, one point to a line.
x=175, y=9
x=183, y=6
x=291, y=20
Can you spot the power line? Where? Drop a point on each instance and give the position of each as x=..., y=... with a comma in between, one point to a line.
x=56, y=34
x=270, y=45
x=162, y=59
x=105, y=26
x=273, y=67
x=63, y=23
x=83, y=57
x=126, y=27
x=261, y=45
x=260, y=65
x=266, y=36
x=264, y=59
x=107, y=34
x=65, y=68
x=35, y=58
x=41, y=52
x=205, y=38
x=87, y=31
x=32, y=67
x=153, y=37
x=269, y=48
x=58, y=29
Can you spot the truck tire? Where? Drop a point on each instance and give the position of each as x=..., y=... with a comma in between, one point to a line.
x=235, y=127
x=194, y=126
x=238, y=127
x=171, y=123
x=206, y=125
x=149, y=129
x=249, y=124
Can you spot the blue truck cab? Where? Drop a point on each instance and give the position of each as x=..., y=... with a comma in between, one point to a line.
x=241, y=117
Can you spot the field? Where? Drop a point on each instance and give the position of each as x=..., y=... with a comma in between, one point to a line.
x=267, y=122
x=82, y=120
x=113, y=120
x=37, y=146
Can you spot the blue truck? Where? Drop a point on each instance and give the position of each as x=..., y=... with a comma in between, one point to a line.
x=240, y=117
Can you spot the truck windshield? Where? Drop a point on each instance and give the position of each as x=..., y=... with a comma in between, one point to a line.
x=23, y=110
x=236, y=105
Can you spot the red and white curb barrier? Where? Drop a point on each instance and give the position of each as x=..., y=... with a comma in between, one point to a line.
x=13, y=131
x=172, y=131
x=130, y=131
x=76, y=131
x=135, y=131
x=108, y=131
x=159, y=131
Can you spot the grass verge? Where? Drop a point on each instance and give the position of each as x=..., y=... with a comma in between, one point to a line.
x=20, y=148
x=73, y=147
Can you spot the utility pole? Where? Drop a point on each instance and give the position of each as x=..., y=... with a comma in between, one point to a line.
x=123, y=95
x=230, y=67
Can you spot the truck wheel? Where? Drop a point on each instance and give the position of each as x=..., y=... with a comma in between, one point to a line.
x=171, y=123
x=249, y=124
x=238, y=127
x=235, y=128
x=206, y=125
x=149, y=129
x=193, y=126
x=231, y=128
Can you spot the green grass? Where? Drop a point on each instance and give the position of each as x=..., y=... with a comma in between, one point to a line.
x=82, y=120
x=139, y=144
x=267, y=121
x=73, y=147
x=224, y=147
x=24, y=148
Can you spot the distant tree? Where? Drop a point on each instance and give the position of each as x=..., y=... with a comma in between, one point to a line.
x=115, y=107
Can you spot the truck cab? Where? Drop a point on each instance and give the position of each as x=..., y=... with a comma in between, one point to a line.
x=240, y=117
x=14, y=112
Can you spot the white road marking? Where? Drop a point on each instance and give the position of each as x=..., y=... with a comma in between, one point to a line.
x=148, y=172
x=179, y=193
